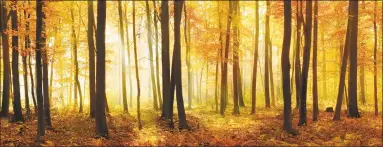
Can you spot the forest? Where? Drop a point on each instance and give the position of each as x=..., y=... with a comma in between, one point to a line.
x=191, y=73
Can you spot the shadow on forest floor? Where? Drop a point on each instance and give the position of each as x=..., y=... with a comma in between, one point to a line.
x=208, y=128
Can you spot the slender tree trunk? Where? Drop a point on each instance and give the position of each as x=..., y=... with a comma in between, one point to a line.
x=176, y=77
x=362, y=83
x=190, y=76
x=6, y=69
x=47, y=111
x=224, y=67
x=235, y=59
x=136, y=69
x=123, y=74
x=220, y=55
x=165, y=58
x=267, y=37
x=287, y=121
x=255, y=61
x=92, y=64
x=39, y=85
x=101, y=124
x=306, y=63
x=297, y=56
x=152, y=76
x=315, y=69
x=375, y=63
x=342, y=81
x=18, y=115
x=129, y=61
x=155, y=15
x=352, y=80
x=25, y=69
x=32, y=82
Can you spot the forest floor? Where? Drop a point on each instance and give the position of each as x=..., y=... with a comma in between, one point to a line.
x=207, y=128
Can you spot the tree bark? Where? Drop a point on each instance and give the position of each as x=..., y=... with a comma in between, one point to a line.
x=287, y=121
x=267, y=37
x=136, y=69
x=165, y=58
x=101, y=125
x=6, y=69
x=39, y=85
x=235, y=59
x=352, y=80
x=188, y=64
x=306, y=63
x=18, y=115
x=92, y=64
x=315, y=60
x=155, y=15
x=25, y=69
x=297, y=56
x=123, y=74
x=375, y=63
x=255, y=61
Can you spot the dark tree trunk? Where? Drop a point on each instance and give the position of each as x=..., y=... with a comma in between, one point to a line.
x=176, y=77
x=101, y=126
x=235, y=60
x=352, y=80
x=39, y=85
x=25, y=68
x=342, y=82
x=255, y=61
x=47, y=111
x=150, y=44
x=306, y=63
x=375, y=63
x=165, y=58
x=32, y=82
x=315, y=69
x=267, y=38
x=123, y=74
x=224, y=66
x=136, y=64
x=91, y=53
x=297, y=56
x=18, y=114
x=287, y=121
x=6, y=69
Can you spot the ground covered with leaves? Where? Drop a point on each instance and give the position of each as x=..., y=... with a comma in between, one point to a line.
x=207, y=128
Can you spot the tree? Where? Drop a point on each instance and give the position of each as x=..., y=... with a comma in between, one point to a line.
x=342, y=87
x=152, y=77
x=315, y=69
x=255, y=60
x=155, y=18
x=267, y=38
x=101, y=126
x=129, y=64
x=6, y=69
x=123, y=74
x=165, y=58
x=74, y=48
x=306, y=63
x=44, y=52
x=375, y=62
x=235, y=59
x=18, y=115
x=39, y=91
x=91, y=53
x=285, y=61
x=176, y=77
x=352, y=80
x=136, y=63
x=224, y=66
x=188, y=64
x=299, y=16
x=25, y=69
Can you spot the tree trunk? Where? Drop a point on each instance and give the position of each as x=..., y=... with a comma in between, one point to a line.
x=32, y=82
x=176, y=77
x=25, y=69
x=315, y=69
x=267, y=37
x=287, y=121
x=187, y=42
x=155, y=15
x=6, y=69
x=136, y=64
x=220, y=55
x=224, y=67
x=92, y=64
x=255, y=61
x=101, y=125
x=18, y=115
x=152, y=76
x=352, y=80
x=235, y=59
x=39, y=46
x=375, y=63
x=306, y=63
x=362, y=83
x=341, y=88
x=123, y=74
x=297, y=56
x=165, y=58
